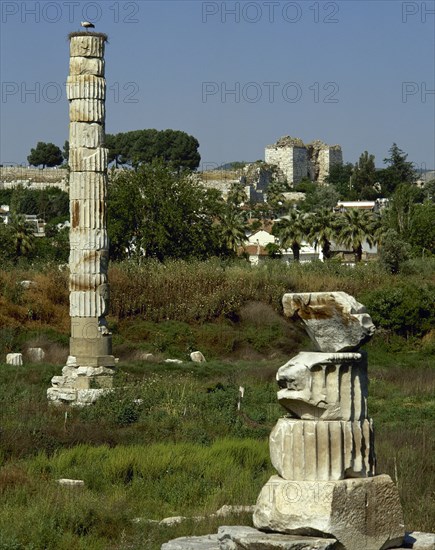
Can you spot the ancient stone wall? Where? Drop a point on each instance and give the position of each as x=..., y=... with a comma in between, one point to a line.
x=297, y=160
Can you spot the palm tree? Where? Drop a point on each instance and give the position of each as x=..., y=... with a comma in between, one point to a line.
x=23, y=237
x=291, y=231
x=232, y=228
x=355, y=227
x=322, y=230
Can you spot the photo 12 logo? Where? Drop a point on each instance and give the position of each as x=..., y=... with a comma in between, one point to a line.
x=417, y=11
x=53, y=92
x=270, y=12
x=417, y=91
x=254, y=92
x=72, y=12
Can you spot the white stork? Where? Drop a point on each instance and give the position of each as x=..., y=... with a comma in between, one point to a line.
x=87, y=25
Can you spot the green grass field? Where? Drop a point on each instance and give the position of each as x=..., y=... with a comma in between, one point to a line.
x=169, y=440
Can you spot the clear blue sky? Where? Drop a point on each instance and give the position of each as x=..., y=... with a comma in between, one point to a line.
x=357, y=73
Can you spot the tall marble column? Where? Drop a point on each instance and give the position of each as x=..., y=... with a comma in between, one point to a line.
x=89, y=369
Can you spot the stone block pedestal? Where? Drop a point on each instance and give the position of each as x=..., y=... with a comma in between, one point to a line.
x=362, y=514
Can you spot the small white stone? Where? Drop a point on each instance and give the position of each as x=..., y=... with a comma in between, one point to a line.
x=71, y=482
x=36, y=354
x=14, y=359
x=175, y=361
x=197, y=357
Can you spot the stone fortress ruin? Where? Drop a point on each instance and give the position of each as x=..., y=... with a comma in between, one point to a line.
x=298, y=161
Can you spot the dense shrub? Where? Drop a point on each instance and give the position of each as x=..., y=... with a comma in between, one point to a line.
x=407, y=310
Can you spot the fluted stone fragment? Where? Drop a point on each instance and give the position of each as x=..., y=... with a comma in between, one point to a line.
x=313, y=450
x=327, y=386
x=335, y=321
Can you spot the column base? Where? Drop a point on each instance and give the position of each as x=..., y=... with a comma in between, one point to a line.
x=362, y=514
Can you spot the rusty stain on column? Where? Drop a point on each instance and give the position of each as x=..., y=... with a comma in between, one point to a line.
x=89, y=369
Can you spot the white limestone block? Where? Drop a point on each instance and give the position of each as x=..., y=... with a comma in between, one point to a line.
x=362, y=514
x=61, y=395
x=86, y=65
x=36, y=354
x=86, y=46
x=419, y=541
x=87, y=110
x=206, y=542
x=236, y=537
x=82, y=159
x=85, y=134
x=328, y=386
x=197, y=357
x=318, y=450
x=335, y=321
x=85, y=86
x=87, y=397
x=88, y=304
x=14, y=359
x=71, y=482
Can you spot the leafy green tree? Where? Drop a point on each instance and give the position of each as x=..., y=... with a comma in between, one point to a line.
x=65, y=152
x=318, y=198
x=159, y=213
x=291, y=231
x=364, y=179
x=231, y=229
x=24, y=201
x=237, y=194
x=429, y=190
x=45, y=154
x=273, y=251
x=322, y=229
x=398, y=171
x=23, y=238
x=355, y=227
x=143, y=146
x=340, y=177
x=401, y=208
x=422, y=228
x=394, y=251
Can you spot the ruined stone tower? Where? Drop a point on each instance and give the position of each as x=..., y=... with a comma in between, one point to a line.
x=89, y=369
x=297, y=160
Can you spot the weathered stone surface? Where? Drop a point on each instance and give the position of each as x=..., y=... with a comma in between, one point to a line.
x=86, y=65
x=85, y=134
x=61, y=395
x=197, y=357
x=362, y=514
x=14, y=359
x=175, y=361
x=419, y=541
x=36, y=354
x=317, y=450
x=327, y=386
x=229, y=509
x=87, y=46
x=236, y=537
x=82, y=159
x=87, y=110
x=86, y=86
x=88, y=213
x=71, y=482
x=207, y=542
x=335, y=321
